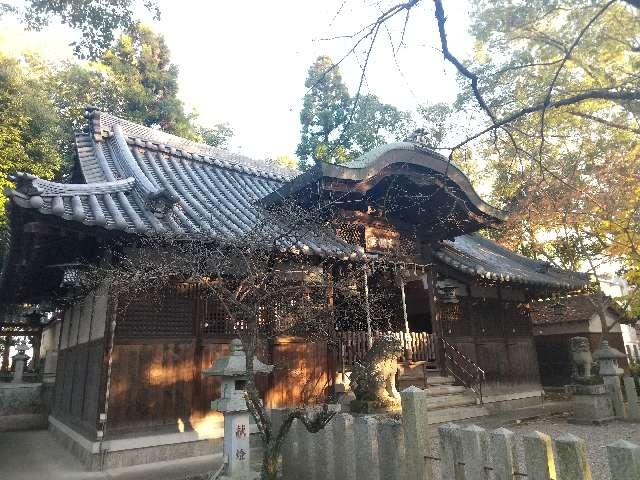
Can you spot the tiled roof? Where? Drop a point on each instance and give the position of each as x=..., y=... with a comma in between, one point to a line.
x=478, y=256
x=577, y=308
x=140, y=180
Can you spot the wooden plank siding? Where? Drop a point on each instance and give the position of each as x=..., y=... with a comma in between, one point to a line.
x=157, y=383
x=496, y=334
x=78, y=376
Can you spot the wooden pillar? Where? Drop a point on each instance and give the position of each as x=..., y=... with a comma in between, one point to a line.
x=435, y=320
x=37, y=340
x=5, y=354
x=408, y=353
x=366, y=308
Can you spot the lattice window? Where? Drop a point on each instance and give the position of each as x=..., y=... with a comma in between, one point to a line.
x=487, y=316
x=168, y=314
x=451, y=316
x=517, y=319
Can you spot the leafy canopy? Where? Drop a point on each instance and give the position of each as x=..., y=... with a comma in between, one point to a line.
x=568, y=174
x=337, y=128
x=97, y=21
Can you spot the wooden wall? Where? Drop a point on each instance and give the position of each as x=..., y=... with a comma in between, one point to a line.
x=496, y=334
x=77, y=393
x=157, y=383
x=80, y=364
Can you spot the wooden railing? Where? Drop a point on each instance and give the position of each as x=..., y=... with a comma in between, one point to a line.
x=463, y=369
x=417, y=346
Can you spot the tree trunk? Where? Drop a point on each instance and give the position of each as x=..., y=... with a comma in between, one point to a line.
x=270, y=461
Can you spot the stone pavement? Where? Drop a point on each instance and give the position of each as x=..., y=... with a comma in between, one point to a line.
x=35, y=455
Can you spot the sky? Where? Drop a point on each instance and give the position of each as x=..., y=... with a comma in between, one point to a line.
x=245, y=63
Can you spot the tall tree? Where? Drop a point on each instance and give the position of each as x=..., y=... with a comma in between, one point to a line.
x=140, y=65
x=29, y=128
x=337, y=128
x=325, y=110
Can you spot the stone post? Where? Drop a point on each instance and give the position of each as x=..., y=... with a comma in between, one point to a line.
x=344, y=444
x=538, y=456
x=415, y=424
x=451, y=452
x=572, y=458
x=19, y=362
x=307, y=459
x=290, y=453
x=475, y=449
x=624, y=460
x=391, y=450
x=325, y=467
x=633, y=409
x=503, y=453
x=366, y=439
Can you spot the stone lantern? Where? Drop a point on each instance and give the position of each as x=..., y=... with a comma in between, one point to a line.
x=608, y=358
x=232, y=404
x=19, y=361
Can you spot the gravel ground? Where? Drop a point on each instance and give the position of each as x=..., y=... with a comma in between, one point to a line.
x=597, y=438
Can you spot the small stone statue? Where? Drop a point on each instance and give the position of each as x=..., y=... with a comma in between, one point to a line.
x=582, y=361
x=373, y=378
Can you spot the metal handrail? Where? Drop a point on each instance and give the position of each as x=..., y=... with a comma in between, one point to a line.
x=463, y=369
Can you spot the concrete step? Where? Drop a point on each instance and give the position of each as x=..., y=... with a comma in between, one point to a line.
x=456, y=414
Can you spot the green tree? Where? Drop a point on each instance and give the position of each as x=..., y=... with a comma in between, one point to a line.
x=325, y=110
x=140, y=64
x=337, y=128
x=95, y=20
x=30, y=131
x=216, y=136
x=41, y=106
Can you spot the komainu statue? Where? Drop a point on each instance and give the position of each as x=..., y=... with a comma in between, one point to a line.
x=373, y=379
x=582, y=361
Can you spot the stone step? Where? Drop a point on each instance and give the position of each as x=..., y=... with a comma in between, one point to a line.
x=440, y=380
x=457, y=413
x=449, y=401
x=435, y=390
x=404, y=382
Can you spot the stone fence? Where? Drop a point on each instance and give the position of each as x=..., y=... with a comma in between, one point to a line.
x=377, y=448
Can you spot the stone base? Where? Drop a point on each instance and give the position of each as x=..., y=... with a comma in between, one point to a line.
x=23, y=421
x=358, y=406
x=592, y=405
x=499, y=403
x=96, y=456
x=248, y=476
x=22, y=407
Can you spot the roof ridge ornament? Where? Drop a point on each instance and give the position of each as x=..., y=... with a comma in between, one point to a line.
x=26, y=183
x=419, y=137
x=161, y=202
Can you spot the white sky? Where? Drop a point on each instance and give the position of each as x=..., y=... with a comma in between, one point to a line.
x=245, y=63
